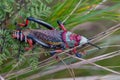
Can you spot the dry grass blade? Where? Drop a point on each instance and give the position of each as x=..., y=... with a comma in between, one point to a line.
x=106, y=33
x=94, y=8
x=95, y=59
x=1, y=78
x=69, y=69
x=106, y=56
x=101, y=57
x=105, y=68
x=12, y=69
x=72, y=11
x=42, y=64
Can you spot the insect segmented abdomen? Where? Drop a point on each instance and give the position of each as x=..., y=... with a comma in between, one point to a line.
x=51, y=37
x=19, y=35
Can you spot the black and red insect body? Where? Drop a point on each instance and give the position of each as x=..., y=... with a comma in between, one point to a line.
x=52, y=38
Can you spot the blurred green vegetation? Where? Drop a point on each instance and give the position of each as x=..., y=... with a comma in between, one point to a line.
x=106, y=14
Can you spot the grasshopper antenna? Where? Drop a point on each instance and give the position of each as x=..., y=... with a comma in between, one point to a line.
x=94, y=45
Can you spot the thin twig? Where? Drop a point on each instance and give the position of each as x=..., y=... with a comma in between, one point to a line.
x=42, y=64
x=94, y=8
x=105, y=68
x=1, y=78
x=12, y=69
x=72, y=11
x=74, y=64
x=101, y=57
x=69, y=69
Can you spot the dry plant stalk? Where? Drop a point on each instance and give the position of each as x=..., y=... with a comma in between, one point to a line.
x=80, y=63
